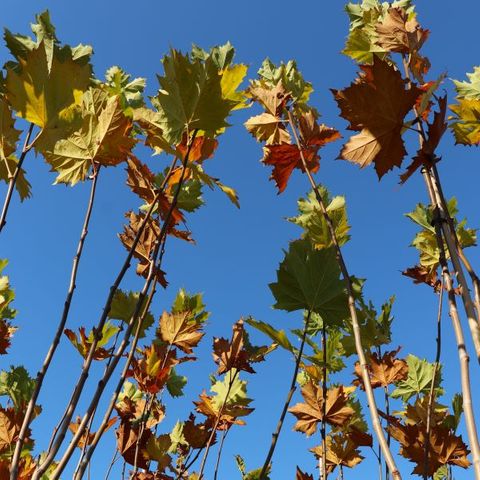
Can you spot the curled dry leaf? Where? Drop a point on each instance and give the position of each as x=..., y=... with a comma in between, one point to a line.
x=88, y=436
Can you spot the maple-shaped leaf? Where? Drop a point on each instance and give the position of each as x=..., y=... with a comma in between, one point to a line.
x=176, y=383
x=196, y=434
x=87, y=437
x=132, y=443
x=190, y=97
x=309, y=279
x=178, y=329
x=145, y=245
x=191, y=303
x=232, y=354
x=123, y=308
x=47, y=82
x=17, y=384
x=10, y=423
x=466, y=122
x=420, y=274
x=419, y=379
x=361, y=46
x=130, y=92
x=103, y=138
x=152, y=369
x=399, y=32
x=132, y=406
x=426, y=154
x=8, y=167
x=311, y=219
x=6, y=333
x=470, y=89
x=286, y=157
x=157, y=450
x=384, y=370
x=376, y=105
x=302, y=476
x=83, y=342
x=340, y=451
x=310, y=413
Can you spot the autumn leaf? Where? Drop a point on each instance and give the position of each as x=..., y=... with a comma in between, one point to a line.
x=470, y=89
x=384, y=370
x=132, y=443
x=8, y=167
x=340, y=450
x=6, y=333
x=376, y=106
x=178, y=329
x=232, y=354
x=196, y=434
x=83, y=342
x=9, y=135
x=88, y=436
x=302, y=476
x=466, y=122
x=285, y=157
x=399, y=32
x=420, y=274
x=130, y=92
x=310, y=413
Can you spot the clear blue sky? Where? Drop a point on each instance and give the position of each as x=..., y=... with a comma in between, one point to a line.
x=237, y=251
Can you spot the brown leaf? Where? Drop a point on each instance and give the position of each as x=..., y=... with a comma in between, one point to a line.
x=127, y=438
x=302, y=476
x=135, y=411
x=10, y=423
x=383, y=371
x=340, y=450
x=141, y=179
x=197, y=434
x=268, y=128
x=274, y=99
x=202, y=148
x=421, y=274
x=310, y=413
x=88, y=436
x=285, y=158
x=6, y=333
x=396, y=33
x=178, y=329
x=83, y=344
x=376, y=105
x=228, y=355
x=436, y=129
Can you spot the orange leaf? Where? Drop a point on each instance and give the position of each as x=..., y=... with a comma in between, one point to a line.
x=176, y=329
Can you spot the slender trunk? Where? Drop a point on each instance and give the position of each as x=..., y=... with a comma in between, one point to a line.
x=324, y=406
x=88, y=361
x=431, y=395
x=377, y=427
x=293, y=387
x=58, y=334
x=13, y=180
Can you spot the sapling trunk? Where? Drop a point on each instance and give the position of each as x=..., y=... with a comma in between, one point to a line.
x=88, y=361
x=13, y=180
x=293, y=387
x=219, y=456
x=353, y=313
x=58, y=334
x=324, y=406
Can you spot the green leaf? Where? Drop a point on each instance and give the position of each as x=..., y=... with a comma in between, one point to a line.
x=308, y=279
x=471, y=88
x=334, y=352
x=290, y=77
x=457, y=407
x=192, y=303
x=278, y=336
x=130, y=92
x=177, y=438
x=190, y=97
x=442, y=473
x=252, y=475
x=7, y=295
x=361, y=47
x=419, y=380
x=123, y=307
x=314, y=224
x=17, y=385
x=190, y=196
x=103, y=138
x=175, y=384
x=237, y=394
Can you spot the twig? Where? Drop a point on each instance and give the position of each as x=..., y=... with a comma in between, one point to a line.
x=293, y=387
x=353, y=314
x=13, y=180
x=220, y=449
x=323, y=471
x=431, y=394
x=58, y=334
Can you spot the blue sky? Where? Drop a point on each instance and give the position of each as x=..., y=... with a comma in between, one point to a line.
x=237, y=251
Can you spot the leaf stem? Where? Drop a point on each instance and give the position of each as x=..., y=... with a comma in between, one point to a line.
x=353, y=313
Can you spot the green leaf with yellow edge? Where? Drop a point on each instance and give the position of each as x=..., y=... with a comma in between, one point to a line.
x=471, y=88
x=177, y=437
x=103, y=138
x=237, y=393
x=466, y=121
x=419, y=380
x=361, y=47
x=42, y=91
x=190, y=97
x=315, y=226
x=7, y=169
x=123, y=307
x=308, y=279
x=192, y=303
